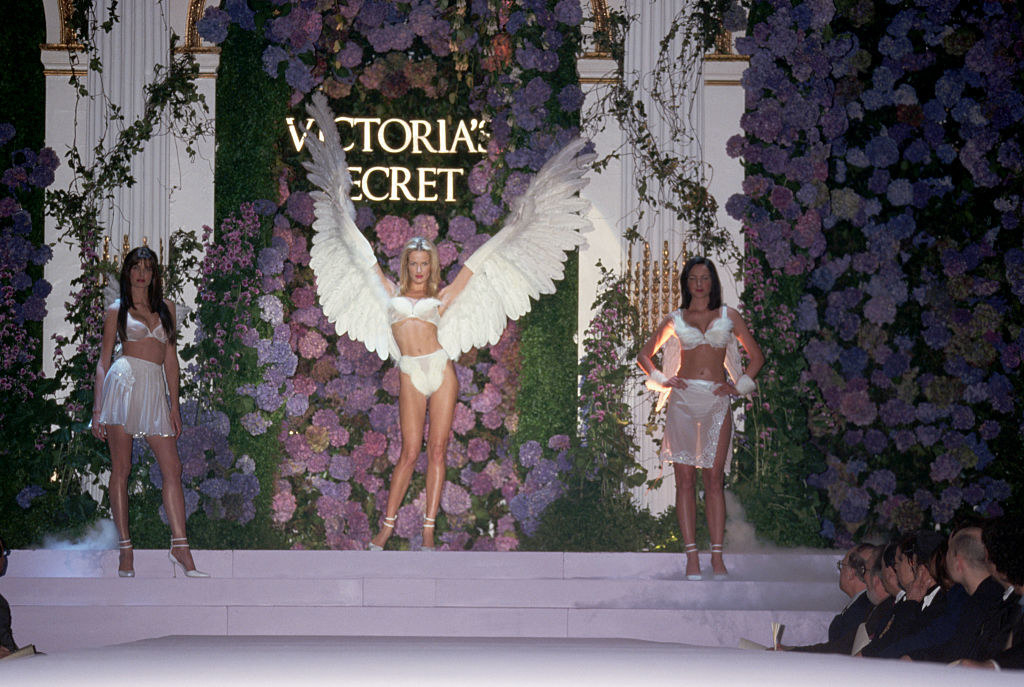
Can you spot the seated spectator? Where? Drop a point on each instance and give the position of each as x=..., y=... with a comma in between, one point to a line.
x=925, y=598
x=1005, y=546
x=978, y=624
x=843, y=628
x=7, y=645
x=889, y=577
x=880, y=593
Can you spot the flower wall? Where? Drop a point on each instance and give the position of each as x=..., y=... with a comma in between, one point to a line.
x=42, y=481
x=882, y=208
x=328, y=406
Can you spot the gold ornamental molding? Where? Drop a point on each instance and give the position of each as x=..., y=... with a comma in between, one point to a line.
x=599, y=8
x=720, y=57
x=193, y=43
x=67, y=33
x=653, y=285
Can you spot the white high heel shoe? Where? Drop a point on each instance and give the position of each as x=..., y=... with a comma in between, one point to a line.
x=389, y=523
x=717, y=548
x=428, y=524
x=125, y=545
x=688, y=549
x=182, y=543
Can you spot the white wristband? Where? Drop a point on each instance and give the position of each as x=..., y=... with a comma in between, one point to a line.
x=745, y=385
x=659, y=377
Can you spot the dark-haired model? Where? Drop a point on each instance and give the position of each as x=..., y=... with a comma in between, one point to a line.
x=698, y=421
x=136, y=395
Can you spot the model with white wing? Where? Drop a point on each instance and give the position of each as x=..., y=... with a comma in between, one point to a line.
x=421, y=325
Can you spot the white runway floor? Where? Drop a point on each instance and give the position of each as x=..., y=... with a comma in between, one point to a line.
x=394, y=661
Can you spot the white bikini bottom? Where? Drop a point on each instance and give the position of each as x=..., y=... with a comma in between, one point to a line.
x=426, y=372
x=693, y=425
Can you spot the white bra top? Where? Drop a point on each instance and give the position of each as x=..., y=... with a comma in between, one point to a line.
x=402, y=308
x=136, y=330
x=718, y=334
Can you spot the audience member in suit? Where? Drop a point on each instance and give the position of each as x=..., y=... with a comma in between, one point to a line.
x=879, y=591
x=924, y=599
x=7, y=644
x=889, y=577
x=978, y=626
x=843, y=628
x=1005, y=545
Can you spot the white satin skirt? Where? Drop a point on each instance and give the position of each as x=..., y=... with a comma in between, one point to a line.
x=135, y=396
x=693, y=425
x=426, y=372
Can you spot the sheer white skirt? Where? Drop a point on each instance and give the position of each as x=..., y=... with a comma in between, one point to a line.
x=693, y=425
x=135, y=396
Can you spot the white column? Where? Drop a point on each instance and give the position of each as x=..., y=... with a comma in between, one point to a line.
x=170, y=191
x=129, y=53
x=714, y=103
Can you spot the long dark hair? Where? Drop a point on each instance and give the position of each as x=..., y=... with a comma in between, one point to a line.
x=715, y=297
x=155, y=295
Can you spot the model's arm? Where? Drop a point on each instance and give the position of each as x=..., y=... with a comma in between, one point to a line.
x=171, y=372
x=389, y=286
x=102, y=365
x=653, y=345
x=754, y=354
x=452, y=291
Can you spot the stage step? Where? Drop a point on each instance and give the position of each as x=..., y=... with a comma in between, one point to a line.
x=72, y=599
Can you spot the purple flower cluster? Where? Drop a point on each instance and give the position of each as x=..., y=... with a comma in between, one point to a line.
x=224, y=486
x=22, y=297
x=859, y=153
x=27, y=495
x=543, y=483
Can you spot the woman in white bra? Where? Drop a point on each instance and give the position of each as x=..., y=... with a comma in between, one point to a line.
x=698, y=421
x=421, y=327
x=136, y=395
x=415, y=306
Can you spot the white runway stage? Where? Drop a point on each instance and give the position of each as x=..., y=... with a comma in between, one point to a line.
x=419, y=618
x=451, y=662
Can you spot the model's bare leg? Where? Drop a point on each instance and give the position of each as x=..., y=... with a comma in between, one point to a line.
x=714, y=497
x=117, y=491
x=442, y=409
x=412, y=409
x=686, y=514
x=166, y=451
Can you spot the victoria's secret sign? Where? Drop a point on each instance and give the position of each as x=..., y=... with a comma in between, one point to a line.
x=407, y=138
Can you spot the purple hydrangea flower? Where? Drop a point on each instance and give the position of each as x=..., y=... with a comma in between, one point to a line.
x=29, y=494
x=213, y=27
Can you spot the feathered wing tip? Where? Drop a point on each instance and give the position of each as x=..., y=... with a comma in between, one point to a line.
x=111, y=291
x=350, y=291
x=328, y=167
x=563, y=171
x=525, y=258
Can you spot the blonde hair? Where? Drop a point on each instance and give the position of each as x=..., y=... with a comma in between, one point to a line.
x=418, y=243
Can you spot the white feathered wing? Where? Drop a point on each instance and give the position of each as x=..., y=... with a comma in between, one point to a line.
x=351, y=293
x=525, y=258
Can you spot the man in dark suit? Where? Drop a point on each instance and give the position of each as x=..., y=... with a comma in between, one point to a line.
x=7, y=644
x=924, y=601
x=1005, y=545
x=853, y=570
x=980, y=623
x=879, y=591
